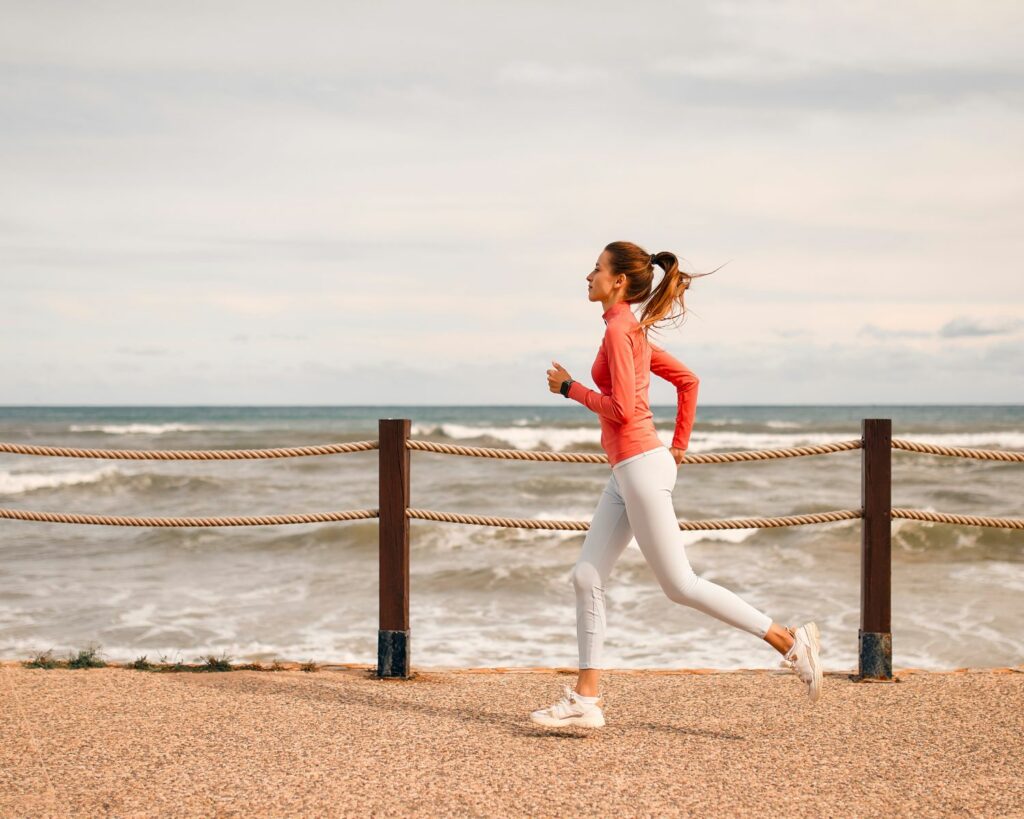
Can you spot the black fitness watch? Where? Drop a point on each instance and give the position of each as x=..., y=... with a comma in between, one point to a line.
x=564, y=389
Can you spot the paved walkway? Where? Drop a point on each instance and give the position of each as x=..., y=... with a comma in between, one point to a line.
x=340, y=742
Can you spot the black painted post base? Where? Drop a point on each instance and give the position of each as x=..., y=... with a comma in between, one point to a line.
x=874, y=655
x=392, y=653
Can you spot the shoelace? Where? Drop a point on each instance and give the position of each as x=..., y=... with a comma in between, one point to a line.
x=791, y=662
x=564, y=705
x=793, y=656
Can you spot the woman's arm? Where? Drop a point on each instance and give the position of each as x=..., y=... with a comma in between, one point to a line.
x=686, y=383
x=620, y=406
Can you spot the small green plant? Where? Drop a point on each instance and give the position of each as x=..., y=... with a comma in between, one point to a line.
x=43, y=659
x=177, y=666
x=86, y=658
x=216, y=663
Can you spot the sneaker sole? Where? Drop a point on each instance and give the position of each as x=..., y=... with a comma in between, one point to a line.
x=585, y=721
x=815, y=637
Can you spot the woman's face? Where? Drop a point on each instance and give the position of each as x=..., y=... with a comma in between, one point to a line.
x=600, y=282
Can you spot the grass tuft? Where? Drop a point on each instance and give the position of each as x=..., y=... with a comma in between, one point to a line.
x=42, y=659
x=88, y=658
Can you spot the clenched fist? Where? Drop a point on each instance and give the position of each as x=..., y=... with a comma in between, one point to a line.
x=556, y=375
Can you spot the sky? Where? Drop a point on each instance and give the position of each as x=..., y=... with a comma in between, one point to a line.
x=399, y=203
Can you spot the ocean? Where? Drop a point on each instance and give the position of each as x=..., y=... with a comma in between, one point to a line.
x=485, y=596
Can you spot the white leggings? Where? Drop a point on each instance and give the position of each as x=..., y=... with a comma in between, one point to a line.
x=637, y=502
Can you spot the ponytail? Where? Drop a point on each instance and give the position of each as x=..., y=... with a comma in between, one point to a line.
x=638, y=266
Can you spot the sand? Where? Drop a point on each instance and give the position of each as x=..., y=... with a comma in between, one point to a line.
x=339, y=742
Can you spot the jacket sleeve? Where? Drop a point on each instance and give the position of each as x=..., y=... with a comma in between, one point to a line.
x=686, y=383
x=620, y=406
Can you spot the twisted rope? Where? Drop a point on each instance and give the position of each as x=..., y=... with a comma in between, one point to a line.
x=588, y=458
x=505, y=454
x=422, y=514
x=190, y=454
x=487, y=520
x=118, y=520
x=487, y=452
x=582, y=525
x=958, y=452
x=963, y=520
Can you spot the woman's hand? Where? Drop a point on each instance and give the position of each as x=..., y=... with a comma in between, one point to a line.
x=677, y=454
x=556, y=375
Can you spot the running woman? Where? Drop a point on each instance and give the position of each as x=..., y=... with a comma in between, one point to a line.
x=637, y=500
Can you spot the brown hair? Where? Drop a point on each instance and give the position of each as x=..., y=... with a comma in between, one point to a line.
x=637, y=265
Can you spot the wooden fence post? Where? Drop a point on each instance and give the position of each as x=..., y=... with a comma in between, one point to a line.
x=874, y=650
x=393, y=635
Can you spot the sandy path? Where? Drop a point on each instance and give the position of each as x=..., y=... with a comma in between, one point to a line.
x=339, y=742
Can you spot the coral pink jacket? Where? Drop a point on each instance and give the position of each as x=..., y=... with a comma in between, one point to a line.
x=622, y=371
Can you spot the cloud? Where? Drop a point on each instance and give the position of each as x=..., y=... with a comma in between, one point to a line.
x=533, y=73
x=874, y=331
x=142, y=351
x=388, y=186
x=246, y=337
x=254, y=304
x=960, y=327
x=823, y=88
x=966, y=327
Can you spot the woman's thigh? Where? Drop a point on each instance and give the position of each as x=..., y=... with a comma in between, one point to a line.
x=646, y=488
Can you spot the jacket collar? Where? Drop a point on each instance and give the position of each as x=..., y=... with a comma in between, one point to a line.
x=616, y=308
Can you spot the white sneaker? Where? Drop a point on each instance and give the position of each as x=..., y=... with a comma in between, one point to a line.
x=802, y=657
x=570, y=711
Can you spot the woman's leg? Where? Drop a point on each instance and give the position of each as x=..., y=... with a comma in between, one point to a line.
x=646, y=487
x=607, y=538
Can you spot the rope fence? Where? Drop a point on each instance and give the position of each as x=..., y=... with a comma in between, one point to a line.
x=501, y=454
x=596, y=458
x=958, y=452
x=121, y=520
x=394, y=514
x=189, y=454
x=508, y=523
x=487, y=452
x=689, y=525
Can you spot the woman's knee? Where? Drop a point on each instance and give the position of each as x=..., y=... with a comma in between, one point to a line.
x=682, y=589
x=585, y=577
